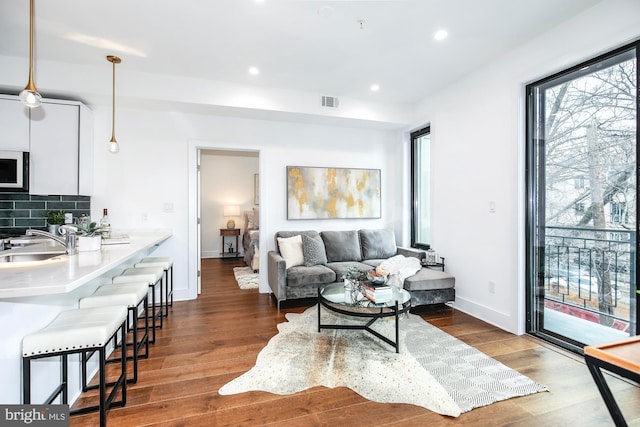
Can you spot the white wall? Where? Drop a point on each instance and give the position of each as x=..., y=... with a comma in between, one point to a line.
x=157, y=149
x=478, y=145
x=226, y=178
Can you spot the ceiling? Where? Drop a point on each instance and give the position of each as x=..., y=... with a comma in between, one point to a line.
x=313, y=45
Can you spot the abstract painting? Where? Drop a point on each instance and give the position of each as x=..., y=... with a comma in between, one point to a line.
x=331, y=193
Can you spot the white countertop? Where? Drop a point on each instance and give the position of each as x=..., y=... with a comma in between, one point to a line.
x=65, y=273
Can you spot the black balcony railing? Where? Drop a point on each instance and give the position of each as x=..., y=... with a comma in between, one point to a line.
x=592, y=270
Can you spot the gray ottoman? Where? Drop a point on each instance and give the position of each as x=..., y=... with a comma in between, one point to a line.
x=430, y=286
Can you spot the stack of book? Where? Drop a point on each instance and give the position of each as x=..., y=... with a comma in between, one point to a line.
x=377, y=293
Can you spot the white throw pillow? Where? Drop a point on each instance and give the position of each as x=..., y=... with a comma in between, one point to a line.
x=291, y=250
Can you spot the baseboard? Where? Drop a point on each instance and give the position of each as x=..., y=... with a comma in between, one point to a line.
x=216, y=254
x=484, y=313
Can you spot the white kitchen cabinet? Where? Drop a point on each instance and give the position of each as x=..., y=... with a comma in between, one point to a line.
x=59, y=138
x=14, y=124
x=54, y=149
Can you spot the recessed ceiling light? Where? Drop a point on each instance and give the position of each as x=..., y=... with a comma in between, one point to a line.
x=375, y=88
x=440, y=35
x=254, y=71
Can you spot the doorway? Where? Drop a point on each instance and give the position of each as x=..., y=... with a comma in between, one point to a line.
x=582, y=160
x=227, y=206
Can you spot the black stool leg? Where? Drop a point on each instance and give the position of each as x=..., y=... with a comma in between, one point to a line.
x=26, y=380
x=153, y=313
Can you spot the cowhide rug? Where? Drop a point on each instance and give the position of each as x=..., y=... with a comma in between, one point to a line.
x=299, y=357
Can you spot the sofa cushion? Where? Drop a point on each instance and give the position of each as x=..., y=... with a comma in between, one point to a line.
x=341, y=245
x=313, y=250
x=291, y=250
x=427, y=279
x=341, y=267
x=378, y=244
x=310, y=233
x=305, y=276
x=373, y=262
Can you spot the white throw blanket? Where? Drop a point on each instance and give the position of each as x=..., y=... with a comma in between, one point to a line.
x=400, y=267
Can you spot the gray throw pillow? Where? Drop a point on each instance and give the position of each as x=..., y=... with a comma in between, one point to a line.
x=313, y=251
x=342, y=245
x=377, y=244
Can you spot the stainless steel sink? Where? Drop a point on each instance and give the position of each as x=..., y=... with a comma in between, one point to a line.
x=26, y=257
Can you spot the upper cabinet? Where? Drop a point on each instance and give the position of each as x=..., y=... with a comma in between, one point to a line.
x=59, y=139
x=14, y=124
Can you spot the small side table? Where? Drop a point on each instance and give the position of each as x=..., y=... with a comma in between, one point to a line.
x=622, y=358
x=439, y=265
x=230, y=232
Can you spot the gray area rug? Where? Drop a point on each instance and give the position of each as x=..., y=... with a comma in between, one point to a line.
x=433, y=369
x=246, y=278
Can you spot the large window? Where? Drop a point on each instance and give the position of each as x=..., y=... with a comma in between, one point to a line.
x=420, y=184
x=582, y=148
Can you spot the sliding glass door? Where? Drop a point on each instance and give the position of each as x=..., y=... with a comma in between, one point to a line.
x=582, y=168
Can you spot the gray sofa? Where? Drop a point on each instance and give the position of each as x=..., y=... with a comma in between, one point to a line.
x=328, y=254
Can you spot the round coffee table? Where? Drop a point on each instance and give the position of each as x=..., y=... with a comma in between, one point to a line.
x=332, y=298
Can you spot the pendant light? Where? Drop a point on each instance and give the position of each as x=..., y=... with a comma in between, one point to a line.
x=30, y=96
x=113, y=144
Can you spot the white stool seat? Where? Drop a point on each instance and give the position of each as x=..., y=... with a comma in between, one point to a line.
x=153, y=277
x=165, y=263
x=76, y=329
x=128, y=294
x=148, y=274
x=134, y=296
x=168, y=261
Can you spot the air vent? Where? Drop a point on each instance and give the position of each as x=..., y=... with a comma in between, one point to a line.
x=330, y=101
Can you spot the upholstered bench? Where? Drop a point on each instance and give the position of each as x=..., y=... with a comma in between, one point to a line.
x=429, y=286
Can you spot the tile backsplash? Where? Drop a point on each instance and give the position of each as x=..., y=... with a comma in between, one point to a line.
x=19, y=211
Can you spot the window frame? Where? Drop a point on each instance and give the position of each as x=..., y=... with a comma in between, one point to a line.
x=414, y=136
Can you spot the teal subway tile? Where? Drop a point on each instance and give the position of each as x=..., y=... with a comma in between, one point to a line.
x=14, y=214
x=46, y=198
x=61, y=205
x=29, y=205
x=38, y=213
x=75, y=198
x=14, y=196
x=30, y=223
x=6, y=205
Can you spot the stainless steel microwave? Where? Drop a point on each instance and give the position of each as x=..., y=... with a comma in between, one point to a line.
x=14, y=171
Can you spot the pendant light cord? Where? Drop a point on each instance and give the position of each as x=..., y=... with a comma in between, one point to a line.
x=31, y=22
x=114, y=60
x=113, y=103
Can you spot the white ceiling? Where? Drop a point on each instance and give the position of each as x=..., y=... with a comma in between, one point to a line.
x=313, y=45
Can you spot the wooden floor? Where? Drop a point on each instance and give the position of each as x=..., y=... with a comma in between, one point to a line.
x=209, y=341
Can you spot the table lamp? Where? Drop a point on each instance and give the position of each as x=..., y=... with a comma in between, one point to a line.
x=231, y=211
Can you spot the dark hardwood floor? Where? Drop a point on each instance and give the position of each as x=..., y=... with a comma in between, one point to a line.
x=209, y=341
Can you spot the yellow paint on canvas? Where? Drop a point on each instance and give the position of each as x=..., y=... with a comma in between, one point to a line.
x=298, y=187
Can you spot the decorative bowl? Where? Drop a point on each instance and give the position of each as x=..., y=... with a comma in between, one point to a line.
x=377, y=280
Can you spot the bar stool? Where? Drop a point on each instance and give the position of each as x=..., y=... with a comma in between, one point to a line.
x=153, y=277
x=167, y=265
x=77, y=331
x=135, y=297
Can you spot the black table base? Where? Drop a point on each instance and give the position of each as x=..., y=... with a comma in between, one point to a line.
x=375, y=314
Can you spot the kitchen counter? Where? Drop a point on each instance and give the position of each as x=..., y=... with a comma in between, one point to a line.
x=64, y=273
x=32, y=294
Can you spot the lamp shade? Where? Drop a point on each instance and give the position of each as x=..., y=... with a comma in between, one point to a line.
x=231, y=210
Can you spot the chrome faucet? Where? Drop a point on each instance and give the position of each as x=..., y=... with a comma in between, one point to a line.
x=69, y=242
